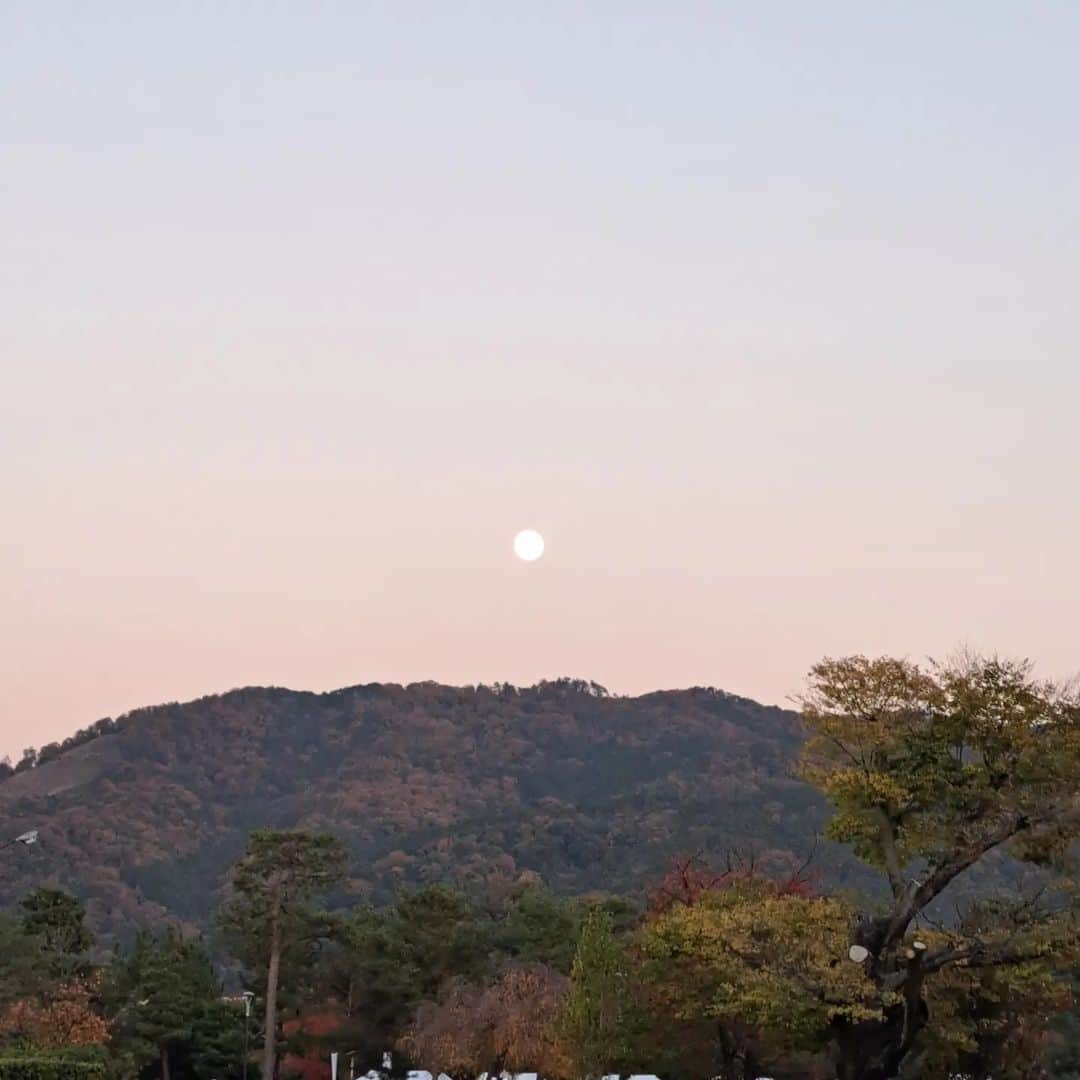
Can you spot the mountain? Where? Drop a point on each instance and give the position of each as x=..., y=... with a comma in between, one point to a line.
x=142, y=816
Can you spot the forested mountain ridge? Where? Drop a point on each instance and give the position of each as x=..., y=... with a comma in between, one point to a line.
x=424, y=783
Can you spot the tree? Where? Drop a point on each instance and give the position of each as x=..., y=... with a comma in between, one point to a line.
x=66, y=1018
x=217, y=1042
x=271, y=911
x=48, y=987
x=160, y=994
x=989, y=1022
x=540, y=928
x=930, y=771
x=1062, y=1053
x=58, y=923
x=21, y=970
x=509, y=1025
x=384, y=962
x=599, y=1022
x=690, y=878
x=442, y=934
x=760, y=963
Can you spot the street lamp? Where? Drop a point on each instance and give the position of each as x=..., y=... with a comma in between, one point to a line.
x=26, y=839
x=351, y=1055
x=248, y=997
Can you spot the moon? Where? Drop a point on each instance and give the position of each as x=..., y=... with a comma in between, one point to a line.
x=528, y=545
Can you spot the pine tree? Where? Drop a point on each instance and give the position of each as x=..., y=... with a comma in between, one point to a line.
x=161, y=993
x=57, y=921
x=271, y=913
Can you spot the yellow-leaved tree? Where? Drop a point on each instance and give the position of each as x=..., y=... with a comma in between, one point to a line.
x=930, y=771
x=764, y=965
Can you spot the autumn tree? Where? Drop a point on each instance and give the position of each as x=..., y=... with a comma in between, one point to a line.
x=507, y=1025
x=930, y=771
x=65, y=1018
x=761, y=963
x=990, y=1022
x=690, y=878
x=272, y=913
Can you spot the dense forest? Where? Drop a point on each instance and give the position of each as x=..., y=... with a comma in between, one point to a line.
x=142, y=816
x=485, y=880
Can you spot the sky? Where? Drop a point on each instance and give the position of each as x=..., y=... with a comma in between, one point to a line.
x=763, y=314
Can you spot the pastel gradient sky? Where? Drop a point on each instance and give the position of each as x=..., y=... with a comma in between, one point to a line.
x=764, y=314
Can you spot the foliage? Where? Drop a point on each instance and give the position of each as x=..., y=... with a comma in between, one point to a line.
x=65, y=1017
x=283, y=871
x=989, y=1022
x=384, y=962
x=162, y=993
x=49, y=1068
x=750, y=956
x=272, y=912
x=600, y=1021
x=1062, y=1049
x=51, y=751
x=58, y=921
x=948, y=953
x=471, y=787
x=21, y=973
x=48, y=988
x=508, y=1025
x=930, y=771
x=689, y=879
x=917, y=763
x=540, y=928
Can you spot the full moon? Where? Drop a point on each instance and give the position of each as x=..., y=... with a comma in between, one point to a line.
x=528, y=545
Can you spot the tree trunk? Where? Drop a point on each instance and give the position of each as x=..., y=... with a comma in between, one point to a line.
x=270, y=1021
x=164, y=1063
x=751, y=1069
x=877, y=1050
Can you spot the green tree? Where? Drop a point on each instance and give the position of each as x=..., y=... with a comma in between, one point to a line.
x=21, y=966
x=540, y=928
x=600, y=1019
x=162, y=994
x=384, y=962
x=217, y=1043
x=47, y=983
x=930, y=771
x=443, y=934
x=271, y=913
x=57, y=922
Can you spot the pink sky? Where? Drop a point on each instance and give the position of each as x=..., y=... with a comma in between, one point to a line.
x=766, y=320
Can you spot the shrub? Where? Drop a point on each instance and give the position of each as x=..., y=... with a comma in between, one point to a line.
x=50, y=1068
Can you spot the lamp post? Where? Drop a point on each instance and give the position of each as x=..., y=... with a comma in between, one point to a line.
x=26, y=839
x=248, y=997
x=351, y=1055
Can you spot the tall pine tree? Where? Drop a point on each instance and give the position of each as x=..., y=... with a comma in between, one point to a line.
x=272, y=912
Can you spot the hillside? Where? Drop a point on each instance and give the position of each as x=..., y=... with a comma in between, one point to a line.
x=425, y=782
